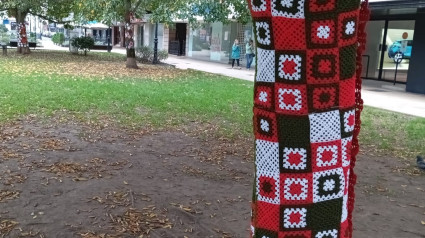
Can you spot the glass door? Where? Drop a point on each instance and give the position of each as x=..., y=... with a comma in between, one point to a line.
x=399, y=43
x=374, y=47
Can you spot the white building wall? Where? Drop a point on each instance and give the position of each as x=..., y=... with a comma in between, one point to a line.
x=147, y=37
x=165, y=39
x=188, y=40
x=136, y=36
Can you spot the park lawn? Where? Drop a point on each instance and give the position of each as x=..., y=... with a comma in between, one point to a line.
x=99, y=86
x=393, y=133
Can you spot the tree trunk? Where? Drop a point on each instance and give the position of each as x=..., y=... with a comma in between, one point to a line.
x=131, y=59
x=129, y=40
x=307, y=109
x=21, y=32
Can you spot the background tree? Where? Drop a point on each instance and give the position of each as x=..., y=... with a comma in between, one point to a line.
x=112, y=11
x=51, y=10
x=162, y=11
x=209, y=10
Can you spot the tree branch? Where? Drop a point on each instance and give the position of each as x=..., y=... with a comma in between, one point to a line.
x=137, y=5
x=49, y=18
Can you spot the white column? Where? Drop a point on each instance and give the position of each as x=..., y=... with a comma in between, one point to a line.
x=166, y=38
x=136, y=36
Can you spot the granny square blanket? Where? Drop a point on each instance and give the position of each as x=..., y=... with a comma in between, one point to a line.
x=307, y=106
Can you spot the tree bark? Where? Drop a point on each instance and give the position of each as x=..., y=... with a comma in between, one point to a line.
x=129, y=40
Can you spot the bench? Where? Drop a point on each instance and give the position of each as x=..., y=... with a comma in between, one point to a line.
x=101, y=47
x=30, y=44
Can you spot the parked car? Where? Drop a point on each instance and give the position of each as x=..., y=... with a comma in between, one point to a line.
x=395, y=51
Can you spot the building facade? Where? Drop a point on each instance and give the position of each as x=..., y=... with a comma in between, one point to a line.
x=395, y=46
x=144, y=35
x=214, y=41
x=394, y=52
x=211, y=42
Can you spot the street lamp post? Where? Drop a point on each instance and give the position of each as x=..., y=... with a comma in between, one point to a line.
x=155, y=49
x=109, y=39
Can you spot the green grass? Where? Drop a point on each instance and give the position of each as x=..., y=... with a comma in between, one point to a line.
x=141, y=99
x=198, y=97
x=134, y=101
x=393, y=133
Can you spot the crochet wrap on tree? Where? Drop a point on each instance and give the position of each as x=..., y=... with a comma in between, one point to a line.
x=307, y=107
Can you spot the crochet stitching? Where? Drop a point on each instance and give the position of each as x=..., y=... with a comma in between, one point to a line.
x=307, y=106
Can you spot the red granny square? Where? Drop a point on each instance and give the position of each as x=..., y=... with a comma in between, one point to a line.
x=323, y=66
x=348, y=26
x=263, y=97
x=347, y=97
x=267, y=216
x=321, y=5
x=295, y=234
x=265, y=125
x=291, y=99
x=323, y=97
x=260, y=8
x=326, y=155
x=346, y=151
x=296, y=189
x=323, y=32
x=289, y=34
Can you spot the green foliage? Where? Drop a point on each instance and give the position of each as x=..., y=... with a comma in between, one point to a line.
x=52, y=10
x=146, y=54
x=162, y=55
x=58, y=38
x=3, y=28
x=209, y=10
x=165, y=11
x=5, y=38
x=33, y=37
x=83, y=43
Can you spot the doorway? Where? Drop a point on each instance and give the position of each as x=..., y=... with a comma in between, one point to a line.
x=116, y=39
x=388, y=50
x=177, y=44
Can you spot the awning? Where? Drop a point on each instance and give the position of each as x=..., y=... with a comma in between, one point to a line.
x=396, y=4
x=96, y=26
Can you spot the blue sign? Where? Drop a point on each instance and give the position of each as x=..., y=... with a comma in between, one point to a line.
x=6, y=21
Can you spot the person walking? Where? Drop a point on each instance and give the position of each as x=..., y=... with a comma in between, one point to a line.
x=249, y=52
x=236, y=53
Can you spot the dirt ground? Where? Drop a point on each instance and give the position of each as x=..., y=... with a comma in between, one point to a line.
x=68, y=179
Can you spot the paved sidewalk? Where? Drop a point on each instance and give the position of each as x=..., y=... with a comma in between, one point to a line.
x=49, y=45
x=375, y=93
x=211, y=67
x=385, y=96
